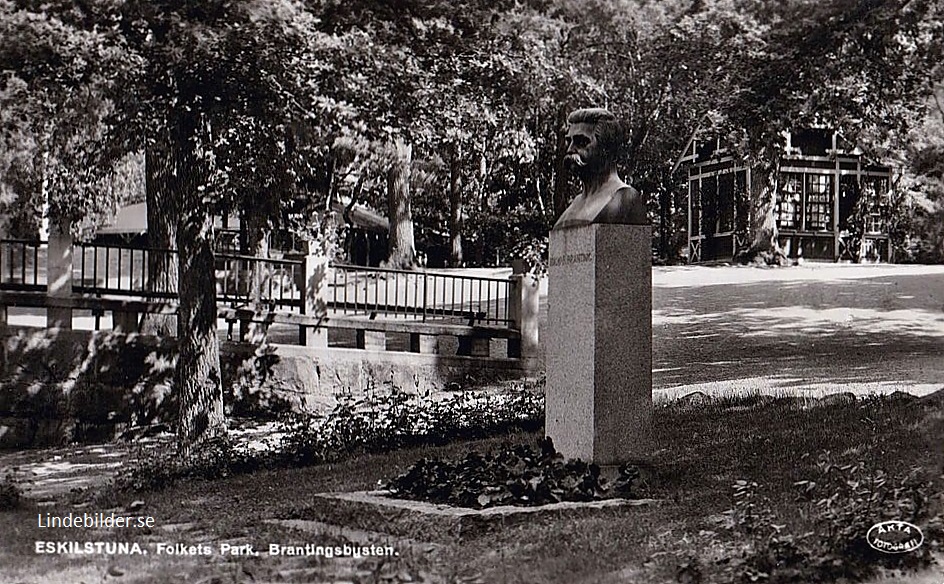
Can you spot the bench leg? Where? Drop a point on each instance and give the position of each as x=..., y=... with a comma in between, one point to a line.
x=514, y=348
x=125, y=322
x=313, y=336
x=245, y=330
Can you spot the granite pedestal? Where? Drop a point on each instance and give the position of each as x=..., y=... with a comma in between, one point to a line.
x=599, y=346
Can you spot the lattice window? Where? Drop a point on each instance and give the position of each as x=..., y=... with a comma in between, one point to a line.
x=819, y=202
x=788, y=201
x=876, y=192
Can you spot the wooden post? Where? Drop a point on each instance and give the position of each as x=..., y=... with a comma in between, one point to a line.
x=314, y=298
x=688, y=233
x=836, y=180
x=59, y=275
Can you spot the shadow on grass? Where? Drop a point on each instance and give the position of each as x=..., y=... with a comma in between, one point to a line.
x=706, y=449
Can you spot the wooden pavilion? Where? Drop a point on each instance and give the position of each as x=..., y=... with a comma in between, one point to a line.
x=820, y=183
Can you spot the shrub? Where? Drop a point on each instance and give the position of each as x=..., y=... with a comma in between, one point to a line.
x=158, y=469
x=384, y=418
x=10, y=494
x=515, y=475
x=387, y=417
x=840, y=505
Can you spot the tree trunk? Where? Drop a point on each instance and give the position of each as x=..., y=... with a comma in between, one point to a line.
x=162, y=218
x=455, y=208
x=400, y=246
x=197, y=379
x=765, y=245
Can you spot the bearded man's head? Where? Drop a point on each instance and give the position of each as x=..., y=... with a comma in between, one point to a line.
x=594, y=140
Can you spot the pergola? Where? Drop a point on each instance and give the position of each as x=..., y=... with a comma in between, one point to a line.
x=820, y=185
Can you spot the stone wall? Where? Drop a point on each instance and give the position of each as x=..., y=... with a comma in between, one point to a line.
x=59, y=386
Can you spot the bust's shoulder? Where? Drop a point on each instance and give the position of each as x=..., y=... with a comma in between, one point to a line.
x=626, y=193
x=625, y=206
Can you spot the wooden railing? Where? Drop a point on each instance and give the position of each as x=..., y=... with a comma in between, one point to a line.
x=22, y=264
x=110, y=269
x=374, y=302
x=353, y=290
x=244, y=280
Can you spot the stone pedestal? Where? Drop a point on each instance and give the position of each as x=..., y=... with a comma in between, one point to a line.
x=599, y=346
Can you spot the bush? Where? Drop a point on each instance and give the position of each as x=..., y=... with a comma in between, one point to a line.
x=386, y=418
x=154, y=470
x=516, y=475
x=840, y=506
x=383, y=419
x=10, y=494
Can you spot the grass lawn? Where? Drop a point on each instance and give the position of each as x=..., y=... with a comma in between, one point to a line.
x=704, y=450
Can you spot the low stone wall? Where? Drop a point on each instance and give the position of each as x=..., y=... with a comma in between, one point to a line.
x=60, y=386
x=310, y=378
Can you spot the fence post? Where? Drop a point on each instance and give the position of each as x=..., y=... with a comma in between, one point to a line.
x=59, y=275
x=314, y=298
x=523, y=311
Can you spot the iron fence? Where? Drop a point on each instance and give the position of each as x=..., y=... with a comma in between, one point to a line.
x=244, y=280
x=418, y=295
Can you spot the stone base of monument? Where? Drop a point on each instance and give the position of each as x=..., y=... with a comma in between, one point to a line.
x=599, y=343
x=376, y=511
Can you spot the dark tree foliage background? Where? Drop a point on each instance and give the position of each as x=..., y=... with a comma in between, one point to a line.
x=447, y=116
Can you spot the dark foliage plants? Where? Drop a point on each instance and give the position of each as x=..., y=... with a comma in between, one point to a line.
x=10, y=493
x=837, y=506
x=388, y=418
x=215, y=459
x=385, y=418
x=518, y=474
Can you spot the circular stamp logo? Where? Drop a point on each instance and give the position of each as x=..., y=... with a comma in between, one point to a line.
x=895, y=537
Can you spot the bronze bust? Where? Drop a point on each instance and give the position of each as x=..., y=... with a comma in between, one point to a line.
x=594, y=139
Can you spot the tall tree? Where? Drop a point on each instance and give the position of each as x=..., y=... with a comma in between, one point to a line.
x=162, y=218
x=859, y=66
